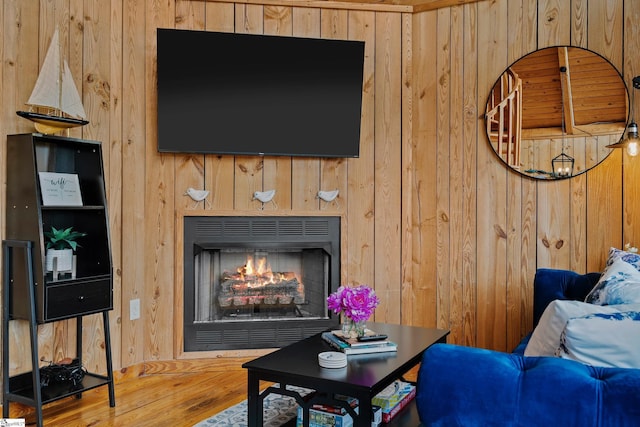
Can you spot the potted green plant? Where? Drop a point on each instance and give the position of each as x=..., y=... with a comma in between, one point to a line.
x=61, y=243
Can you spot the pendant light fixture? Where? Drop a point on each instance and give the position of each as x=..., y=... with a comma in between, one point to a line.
x=631, y=143
x=562, y=164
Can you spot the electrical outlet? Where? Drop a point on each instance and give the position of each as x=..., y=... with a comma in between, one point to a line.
x=134, y=309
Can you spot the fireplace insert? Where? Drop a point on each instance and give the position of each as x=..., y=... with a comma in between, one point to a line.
x=258, y=282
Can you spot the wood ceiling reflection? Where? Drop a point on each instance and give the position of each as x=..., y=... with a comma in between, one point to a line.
x=604, y=102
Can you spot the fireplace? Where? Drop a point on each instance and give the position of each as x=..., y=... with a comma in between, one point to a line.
x=258, y=281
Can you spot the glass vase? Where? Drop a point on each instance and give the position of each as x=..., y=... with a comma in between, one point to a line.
x=353, y=329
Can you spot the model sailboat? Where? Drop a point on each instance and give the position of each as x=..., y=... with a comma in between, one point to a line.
x=56, y=92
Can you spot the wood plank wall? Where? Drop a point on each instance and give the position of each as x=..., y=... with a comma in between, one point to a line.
x=445, y=232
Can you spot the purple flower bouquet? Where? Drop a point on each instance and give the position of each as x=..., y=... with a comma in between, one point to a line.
x=356, y=303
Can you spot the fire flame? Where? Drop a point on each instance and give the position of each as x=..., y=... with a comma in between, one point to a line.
x=258, y=273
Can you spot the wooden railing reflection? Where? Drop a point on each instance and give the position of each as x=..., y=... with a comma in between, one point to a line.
x=504, y=117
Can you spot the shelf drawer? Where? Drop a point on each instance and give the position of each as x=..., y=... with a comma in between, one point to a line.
x=78, y=298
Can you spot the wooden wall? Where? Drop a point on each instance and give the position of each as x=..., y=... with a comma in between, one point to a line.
x=445, y=232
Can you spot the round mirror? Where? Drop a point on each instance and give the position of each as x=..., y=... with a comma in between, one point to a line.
x=552, y=113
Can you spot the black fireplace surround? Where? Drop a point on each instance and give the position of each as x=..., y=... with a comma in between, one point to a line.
x=224, y=306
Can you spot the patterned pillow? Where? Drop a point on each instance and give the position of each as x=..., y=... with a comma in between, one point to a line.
x=545, y=338
x=629, y=257
x=620, y=280
x=609, y=340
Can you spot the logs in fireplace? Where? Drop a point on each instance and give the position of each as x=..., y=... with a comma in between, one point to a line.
x=254, y=291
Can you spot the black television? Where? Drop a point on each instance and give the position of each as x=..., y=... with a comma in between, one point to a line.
x=247, y=94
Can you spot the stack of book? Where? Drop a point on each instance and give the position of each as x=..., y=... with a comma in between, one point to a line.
x=336, y=416
x=394, y=398
x=386, y=405
x=352, y=346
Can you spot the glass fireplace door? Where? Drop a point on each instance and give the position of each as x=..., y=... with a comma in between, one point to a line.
x=257, y=284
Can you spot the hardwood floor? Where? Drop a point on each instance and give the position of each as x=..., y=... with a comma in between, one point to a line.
x=174, y=393
x=157, y=397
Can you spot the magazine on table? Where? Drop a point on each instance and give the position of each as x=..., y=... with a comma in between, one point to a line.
x=368, y=333
x=340, y=345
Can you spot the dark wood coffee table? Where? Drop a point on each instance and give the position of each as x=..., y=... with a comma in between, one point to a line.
x=364, y=377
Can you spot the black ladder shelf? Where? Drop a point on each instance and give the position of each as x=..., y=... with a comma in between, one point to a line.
x=25, y=388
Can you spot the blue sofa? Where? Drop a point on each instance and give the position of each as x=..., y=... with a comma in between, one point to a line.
x=464, y=386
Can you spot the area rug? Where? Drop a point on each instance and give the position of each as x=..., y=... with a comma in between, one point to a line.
x=278, y=410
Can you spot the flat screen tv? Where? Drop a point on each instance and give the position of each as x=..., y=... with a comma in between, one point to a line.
x=241, y=94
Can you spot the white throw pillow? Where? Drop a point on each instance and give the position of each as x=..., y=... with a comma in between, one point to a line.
x=620, y=280
x=545, y=339
x=609, y=340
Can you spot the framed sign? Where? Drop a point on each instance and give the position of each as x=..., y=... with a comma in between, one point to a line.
x=60, y=189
